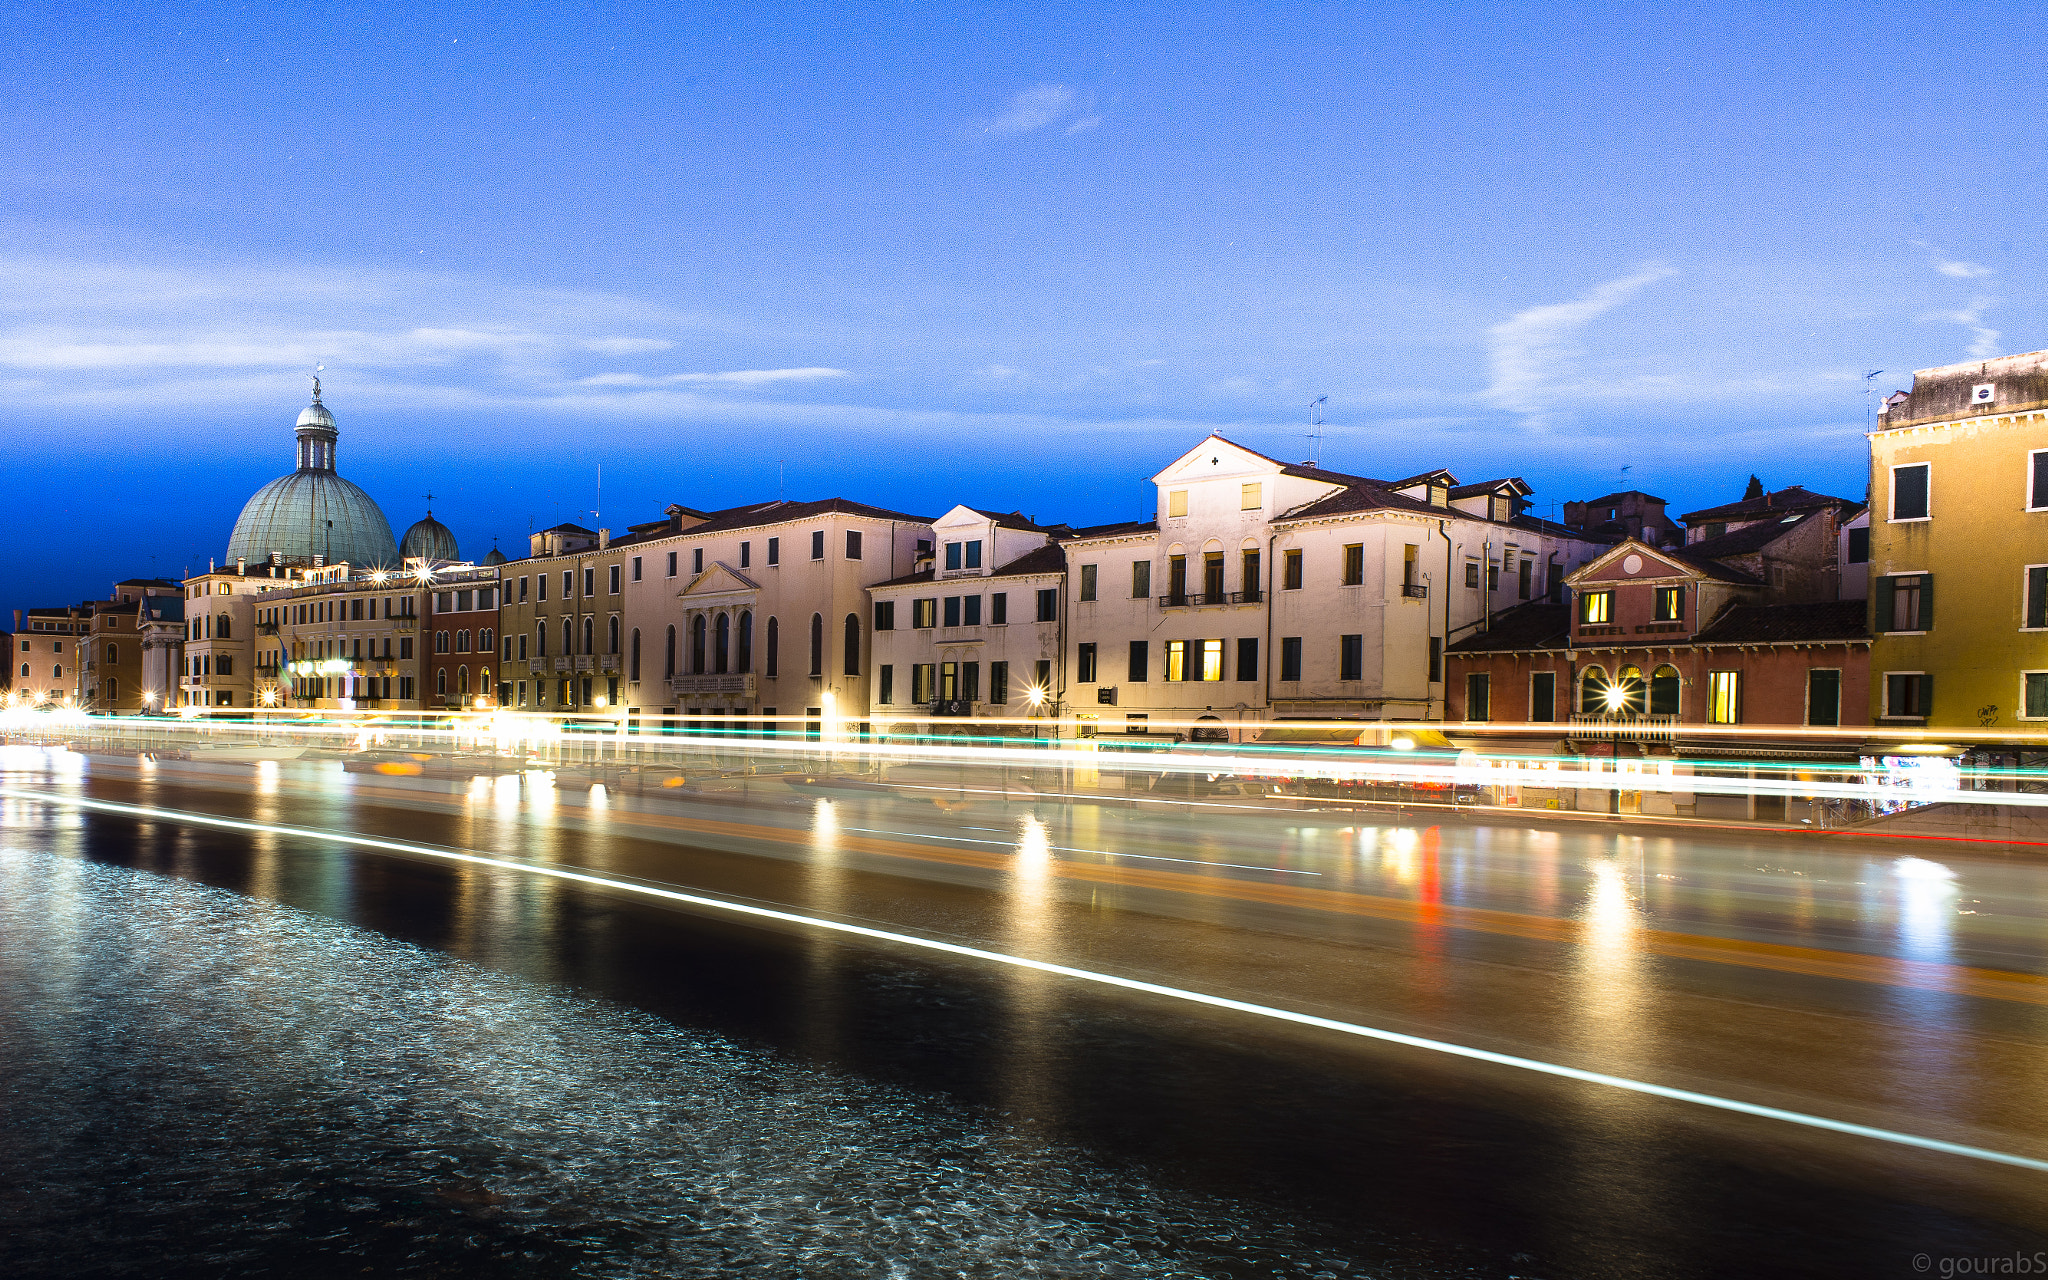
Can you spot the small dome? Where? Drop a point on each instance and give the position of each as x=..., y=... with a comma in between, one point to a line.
x=429, y=540
x=316, y=415
x=494, y=557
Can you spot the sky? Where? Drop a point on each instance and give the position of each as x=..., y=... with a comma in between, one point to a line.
x=1018, y=257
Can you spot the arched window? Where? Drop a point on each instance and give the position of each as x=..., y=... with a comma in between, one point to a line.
x=462, y=642
x=721, y=645
x=1593, y=691
x=24, y=671
x=483, y=681
x=746, y=642
x=589, y=635
x=1664, y=691
x=568, y=636
x=611, y=637
x=462, y=683
x=483, y=641
x=817, y=644
x=697, y=645
x=540, y=640
x=633, y=664
x=113, y=653
x=112, y=696
x=668, y=667
x=441, y=681
x=220, y=627
x=1630, y=695
x=853, y=644
x=440, y=642
x=774, y=645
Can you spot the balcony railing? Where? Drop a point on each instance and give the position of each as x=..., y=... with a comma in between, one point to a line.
x=266, y=628
x=586, y=662
x=609, y=662
x=562, y=663
x=536, y=664
x=1625, y=727
x=741, y=684
x=1210, y=599
x=956, y=707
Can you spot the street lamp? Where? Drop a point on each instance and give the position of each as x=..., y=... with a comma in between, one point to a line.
x=1615, y=696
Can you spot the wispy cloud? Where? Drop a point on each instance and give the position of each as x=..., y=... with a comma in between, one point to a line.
x=735, y=378
x=1534, y=355
x=1039, y=106
x=1983, y=338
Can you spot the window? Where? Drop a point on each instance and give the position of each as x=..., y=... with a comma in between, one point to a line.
x=1049, y=604
x=1212, y=660
x=1290, y=657
x=440, y=642
x=540, y=580
x=1087, y=582
x=1859, y=546
x=885, y=615
x=952, y=611
x=970, y=611
x=1524, y=568
x=853, y=544
x=1247, y=658
x=1472, y=573
x=774, y=646
x=1251, y=496
x=1351, y=657
x=721, y=643
x=589, y=580
x=1248, y=569
x=1141, y=579
x=1176, y=502
x=636, y=569
x=999, y=682
x=746, y=641
x=817, y=544
x=851, y=664
x=1492, y=577
x=817, y=644
x=885, y=680
x=974, y=554
x=1141, y=662
x=405, y=646
x=1176, y=660
x=612, y=578
x=999, y=609
x=2037, y=480
x=1724, y=697
x=1824, y=697
x=1176, y=579
x=1905, y=602
x=1664, y=686
x=522, y=646
x=1543, y=697
x=1907, y=694
x=1596, y=608
x=952, y=555
x=746, y=554
x=922, y=678
x=924, y=614
x=1290, y=571
x=696, y=559
x=522, y=597
x=1670, y=604
x=1084, y=664
x=1478, y=696
x=2036, y=615
x=1043, y=668
x=484, y=641
x=1909, y=492
x=1593, y=691
x=774, y=551
x=2034, y=695
x=1354, y=564
x=633, y=658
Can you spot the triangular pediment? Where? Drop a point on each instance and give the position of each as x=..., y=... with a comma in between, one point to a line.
x=720, y=579
x=960, y=517
x=1215, y=459
x=1632, y=561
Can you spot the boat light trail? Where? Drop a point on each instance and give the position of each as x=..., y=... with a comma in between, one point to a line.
x=1182, y=994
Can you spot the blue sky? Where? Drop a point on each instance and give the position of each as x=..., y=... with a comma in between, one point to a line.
x=1017, y=257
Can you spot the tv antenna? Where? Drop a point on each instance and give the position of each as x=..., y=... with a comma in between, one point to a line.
x=1866, y=398
x=1315, y=429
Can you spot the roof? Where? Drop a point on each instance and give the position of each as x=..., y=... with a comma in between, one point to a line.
x=1536, y=625
x=1050, y=558
x=1018, y=520
x=164, y=608
x=1787, y=623
x=1950, y=392
x=165, y=583
x=1750, y=537
x=1125, y=529
x=781, y=512
x=1516, y=483
x=1363, y=495
x=1791, y=498
x=1616, y=498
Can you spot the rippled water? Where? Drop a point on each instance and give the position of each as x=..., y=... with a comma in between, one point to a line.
x=195, y=1081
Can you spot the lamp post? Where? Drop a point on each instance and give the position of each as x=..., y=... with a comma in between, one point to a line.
x=1615, y=696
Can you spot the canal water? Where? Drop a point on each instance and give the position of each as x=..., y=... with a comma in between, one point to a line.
x=193, y=1081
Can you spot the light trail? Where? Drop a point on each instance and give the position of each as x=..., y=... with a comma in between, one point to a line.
x=1061, y=848
x=1535, y=1065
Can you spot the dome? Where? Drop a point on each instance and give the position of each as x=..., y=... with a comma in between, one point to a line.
x=494, y=557
x=429, y=540
x=313, y=511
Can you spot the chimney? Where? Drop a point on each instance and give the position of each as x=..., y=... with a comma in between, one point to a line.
x=241, y=566
x=604, y=538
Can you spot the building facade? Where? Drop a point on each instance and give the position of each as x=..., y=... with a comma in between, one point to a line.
x=460, y=668
x=48, y=660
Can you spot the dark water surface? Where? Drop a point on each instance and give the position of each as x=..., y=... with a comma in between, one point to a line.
x=235, y=1053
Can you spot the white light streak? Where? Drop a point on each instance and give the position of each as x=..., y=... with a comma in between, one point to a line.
x=1182, y=994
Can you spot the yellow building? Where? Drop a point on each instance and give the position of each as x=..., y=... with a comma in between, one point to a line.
x=1959, y=548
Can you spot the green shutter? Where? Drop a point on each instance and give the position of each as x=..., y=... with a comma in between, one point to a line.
x=1882, y=620
x=1926, y=603
x=2037, y=594
x=1927, y=695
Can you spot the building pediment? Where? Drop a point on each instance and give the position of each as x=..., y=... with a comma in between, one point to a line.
x=1214, y=459
x=720, y=579
x=1632, y=561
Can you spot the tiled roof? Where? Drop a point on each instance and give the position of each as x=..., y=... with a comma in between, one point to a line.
x=1537, y=625
x=1018, y=520
x=1783, y=502
x=1491, y=486
x=1751, y=537
x=767, y=513
x=1361, y=495
x=1617, y=498
x=1788, y=623
x=1050, y=558
x=1123, y=530
x=1709, y=566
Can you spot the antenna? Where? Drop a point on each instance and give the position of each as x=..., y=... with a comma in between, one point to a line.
x=1315, y=430
x=600, y=494
x=779, y=466
x=1866, y=399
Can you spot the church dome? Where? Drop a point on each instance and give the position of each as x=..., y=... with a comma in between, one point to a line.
x=494, y=557
x=429, y=539
x=313, y=511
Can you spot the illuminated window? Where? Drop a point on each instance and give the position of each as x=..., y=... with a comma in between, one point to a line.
x=1250, y=497
x=1212, y=659
x=1592, y=691
x=1724, y=697
x=1670, y=604
x=1177, y=502
x=1176, y=659
x=1596, y=607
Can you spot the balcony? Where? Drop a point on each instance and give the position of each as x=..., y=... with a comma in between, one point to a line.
x=1415, y=590
x=266, y=628
x=609, y=662
x=741, y=685
x=1211, y=599
x=1625, y=728
x=586, y=662
x=562, y=663
x=536, y=664
x=953, y=708
x=267, y=671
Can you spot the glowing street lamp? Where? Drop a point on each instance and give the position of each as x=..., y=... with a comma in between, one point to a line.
x=1614, y=696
